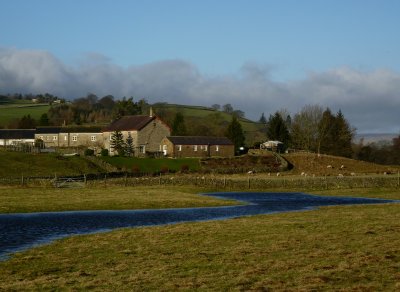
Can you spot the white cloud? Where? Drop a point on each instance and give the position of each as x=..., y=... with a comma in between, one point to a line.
x=370, y=100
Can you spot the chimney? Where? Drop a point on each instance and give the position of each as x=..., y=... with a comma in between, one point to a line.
x=151, y=111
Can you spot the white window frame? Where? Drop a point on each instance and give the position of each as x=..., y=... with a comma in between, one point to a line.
x=93, y=138
x=205, y=147
x=217, y=148
x=65, y=138
x=54, y=138
x=195, y=148
x=179, y=147
x=142, y=149
x=74, y=138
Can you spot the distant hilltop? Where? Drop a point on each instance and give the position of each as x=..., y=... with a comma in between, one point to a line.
x=377, y=138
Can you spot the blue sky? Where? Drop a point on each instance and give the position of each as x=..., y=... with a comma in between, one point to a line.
x=289, y=44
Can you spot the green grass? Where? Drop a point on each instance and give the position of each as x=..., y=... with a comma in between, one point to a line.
x=151, y=165
x=344, y=248
x=16, y=164
x=22, y=200
x=10, y=112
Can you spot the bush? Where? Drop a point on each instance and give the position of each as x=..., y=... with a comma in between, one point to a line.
x=89, y=152
x=184, y=168
x=104, y=152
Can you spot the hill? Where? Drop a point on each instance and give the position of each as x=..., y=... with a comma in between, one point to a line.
x=202, y=120
x=312, y=164
x=11, y=110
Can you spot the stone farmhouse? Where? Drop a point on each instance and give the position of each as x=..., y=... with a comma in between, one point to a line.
x=196, y=146
x=146, y=132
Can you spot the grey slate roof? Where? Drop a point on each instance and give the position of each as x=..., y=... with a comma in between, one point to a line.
x=76, y=129
x=199, y=140
x=17, y=133
x=129, y=123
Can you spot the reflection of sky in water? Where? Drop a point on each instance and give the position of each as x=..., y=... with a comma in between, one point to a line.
x=22, y=231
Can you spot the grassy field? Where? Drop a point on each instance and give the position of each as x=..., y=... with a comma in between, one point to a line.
x=346, y=248
x=150, y=165
x=16, y=164
x=9, y=112
x=22, y=200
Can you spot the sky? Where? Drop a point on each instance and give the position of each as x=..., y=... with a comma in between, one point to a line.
x=259, y=56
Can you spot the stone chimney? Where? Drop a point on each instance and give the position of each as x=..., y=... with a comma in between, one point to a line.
x=151, y=111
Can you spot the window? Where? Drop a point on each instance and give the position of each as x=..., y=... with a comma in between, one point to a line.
x=93, y=138
x=205, y=147
x=54, y=138
x=47, y=138
x=217, y=148
x=65, y=138
x=194, y=147
x=74, y=138
x=179, y=147
x=142, y=149
x=41, y=137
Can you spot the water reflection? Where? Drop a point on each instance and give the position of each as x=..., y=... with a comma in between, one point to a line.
x=22, y=231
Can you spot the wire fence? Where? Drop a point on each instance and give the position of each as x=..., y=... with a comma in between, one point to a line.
x=245, y=182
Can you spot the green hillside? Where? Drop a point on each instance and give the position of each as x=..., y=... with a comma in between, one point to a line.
x=10, y=111
x=205, y=118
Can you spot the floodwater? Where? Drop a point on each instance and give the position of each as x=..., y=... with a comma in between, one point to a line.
x=25, y=230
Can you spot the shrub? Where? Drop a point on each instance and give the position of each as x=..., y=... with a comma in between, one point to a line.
x=184, y=168
x=104, y=152
x=89, y=152
x=164, y=169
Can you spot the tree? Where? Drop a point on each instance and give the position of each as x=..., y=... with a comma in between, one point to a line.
x=178, y=125
x=129, y=148
x=238, y=113
x=235, y=133
x=44, y=120
x=262, y=119
x=216, y=107
x=277, y=129
x=126, y=107
x=117, y=142
x=227, y=108
x=305, y=127
x=26, y=122
x=343, y=136
x=326, y=138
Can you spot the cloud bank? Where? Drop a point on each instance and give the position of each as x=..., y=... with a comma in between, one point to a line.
x=369, y=100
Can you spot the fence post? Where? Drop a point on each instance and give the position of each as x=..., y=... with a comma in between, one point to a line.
x=22, y=180
x=159, y=181
x=105, y=180
x=84, y=179
x=126, y=179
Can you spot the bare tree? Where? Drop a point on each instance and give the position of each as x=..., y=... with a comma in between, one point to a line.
x=305, y=127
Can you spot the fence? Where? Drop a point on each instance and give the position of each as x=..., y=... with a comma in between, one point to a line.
x=210, y=181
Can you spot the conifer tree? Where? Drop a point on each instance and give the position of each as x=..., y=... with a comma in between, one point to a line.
x=178, y=125
x=129, y=145
x=117, y=142
x=235, y=133
x=277, y=129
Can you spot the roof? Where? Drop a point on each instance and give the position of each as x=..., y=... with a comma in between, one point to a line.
x=17, y=133
x=77, y=129
x=48, y=130
x=129, y=123
x=199, y=140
